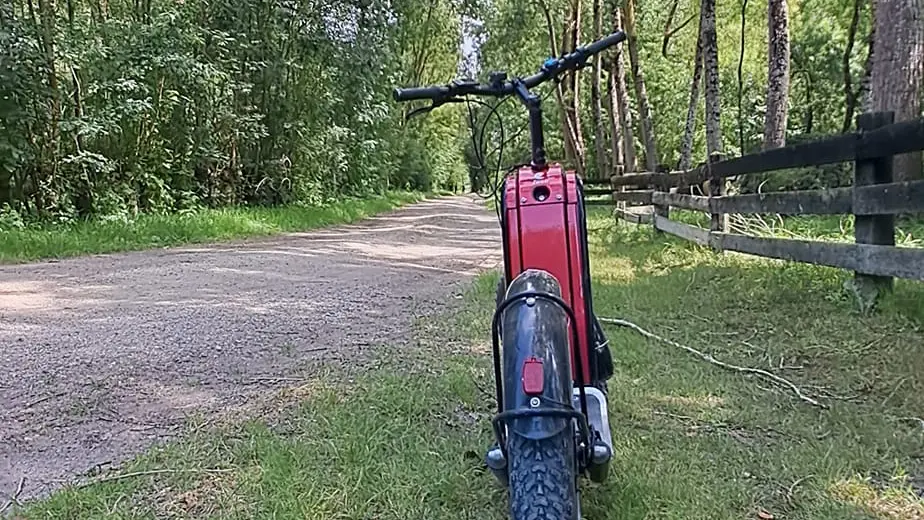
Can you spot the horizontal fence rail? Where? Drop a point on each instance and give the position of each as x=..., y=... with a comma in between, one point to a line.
x=874, y=200
x=887, y=141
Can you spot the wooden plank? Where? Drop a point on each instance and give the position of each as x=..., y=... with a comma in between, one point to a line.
x=889, y=140
x=836, y=149
x=679, y=229
x=595, y=182
x=835, y=201
x=889, y=199
x=680, y=200
x=634, y=197
x=635, y=218
x=893, y=139
x=663, y=180
x=900, y=262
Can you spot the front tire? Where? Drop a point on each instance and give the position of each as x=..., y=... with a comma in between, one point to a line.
x=542, y=476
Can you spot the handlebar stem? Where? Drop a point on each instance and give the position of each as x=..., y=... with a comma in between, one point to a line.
x=534, y=105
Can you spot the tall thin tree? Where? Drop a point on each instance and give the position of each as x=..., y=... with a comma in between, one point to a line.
x=778, y=74
x=712, y=86
x=646, y=124
x=686, y=144
x=595, y=101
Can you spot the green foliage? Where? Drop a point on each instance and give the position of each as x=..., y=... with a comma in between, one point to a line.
x=516, y=40
x=163, y=106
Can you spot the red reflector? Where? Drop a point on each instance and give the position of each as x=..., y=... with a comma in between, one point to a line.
x=533, y=381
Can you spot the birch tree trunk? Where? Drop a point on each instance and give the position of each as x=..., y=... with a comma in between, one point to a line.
x=778, y=75
x=641, y=95
x=686, y=145
x=711, y=71
x=596, y=104
x=618, y=77
x=617, y=144
x=570, y=41
x=897, y=69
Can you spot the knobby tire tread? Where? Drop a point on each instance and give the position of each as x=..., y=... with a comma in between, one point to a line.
x=542, y=479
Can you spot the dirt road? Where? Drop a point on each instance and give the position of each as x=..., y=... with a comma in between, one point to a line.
x=104, y=356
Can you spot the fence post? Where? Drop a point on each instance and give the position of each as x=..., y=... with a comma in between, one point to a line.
x=661, y=210
x=873, y=229
x=717, y=189
x=618, y=171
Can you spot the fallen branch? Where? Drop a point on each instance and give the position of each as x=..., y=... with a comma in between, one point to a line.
x=43, y=399
x=710, y=359
x=913, y=419
x=15, y=496
x=123, y=476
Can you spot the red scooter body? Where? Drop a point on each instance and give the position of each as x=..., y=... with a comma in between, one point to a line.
x=544, y=228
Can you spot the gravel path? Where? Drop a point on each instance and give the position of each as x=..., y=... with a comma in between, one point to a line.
x=103, y=356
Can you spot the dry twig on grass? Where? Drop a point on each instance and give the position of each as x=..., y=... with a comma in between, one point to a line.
x=710, y=359
x=14, y=498
x=123, y=476
x=914, y=420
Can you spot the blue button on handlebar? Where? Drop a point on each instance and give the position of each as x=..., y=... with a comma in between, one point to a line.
x=549, y=63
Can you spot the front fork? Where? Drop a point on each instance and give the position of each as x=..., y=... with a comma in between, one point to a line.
x=537, y=398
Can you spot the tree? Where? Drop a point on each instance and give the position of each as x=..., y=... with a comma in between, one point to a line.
x=850, y=96
x=711, y=70
x=619, y=95
x=778, y=75
x=596, y=104
x=897, y=69
x=686, y=147
x=646, y=124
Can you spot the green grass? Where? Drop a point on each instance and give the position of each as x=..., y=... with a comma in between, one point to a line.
x=403, y=438
x=151, y=231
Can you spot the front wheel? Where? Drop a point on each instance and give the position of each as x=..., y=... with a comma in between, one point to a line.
x=542, y=477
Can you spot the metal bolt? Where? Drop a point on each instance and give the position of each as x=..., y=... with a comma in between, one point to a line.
x=523, y=200
x=534, y=402
x=558, y=197
x=531, y=301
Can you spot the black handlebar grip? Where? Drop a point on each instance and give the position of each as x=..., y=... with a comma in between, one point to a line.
x=605, y=43
x=410, y=94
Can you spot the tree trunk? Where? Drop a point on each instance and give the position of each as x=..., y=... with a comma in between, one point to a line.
x=568, y=135
x=850, y=97
x=570, y=41
x=864, y=97
x=49, y=167
x=641, y=95
x=617, y=145
x=778, y=75
x=618, y=75
x=711, y=71
x=742, y=43
x=686, y=145
x=898, y=66
x=596, y=104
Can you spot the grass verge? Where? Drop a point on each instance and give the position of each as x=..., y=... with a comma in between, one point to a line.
x=151, y=231
x=404, y=439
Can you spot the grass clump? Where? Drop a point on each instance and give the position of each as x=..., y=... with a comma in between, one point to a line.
x=21, y=244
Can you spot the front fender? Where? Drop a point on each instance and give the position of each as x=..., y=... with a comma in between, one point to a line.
x=534, y=328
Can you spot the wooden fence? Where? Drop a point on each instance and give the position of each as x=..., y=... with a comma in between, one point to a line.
x=873, y=198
